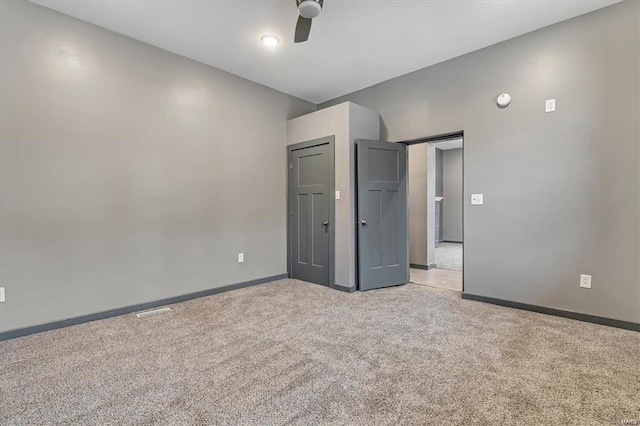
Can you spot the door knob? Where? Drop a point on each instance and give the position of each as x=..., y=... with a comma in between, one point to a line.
x=363, y=222
x=325, y=223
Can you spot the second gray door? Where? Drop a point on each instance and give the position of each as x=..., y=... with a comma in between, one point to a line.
x=383, y=238
x=310, y=208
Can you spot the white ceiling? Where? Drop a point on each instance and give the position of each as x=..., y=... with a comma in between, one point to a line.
x=452, y=144
x=353, y=44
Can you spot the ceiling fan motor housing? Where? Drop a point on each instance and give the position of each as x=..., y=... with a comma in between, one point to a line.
x=309, y=8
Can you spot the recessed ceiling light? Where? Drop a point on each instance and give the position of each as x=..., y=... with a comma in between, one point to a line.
x=270, y=40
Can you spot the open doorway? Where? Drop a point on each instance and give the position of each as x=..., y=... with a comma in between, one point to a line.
x=435, y=175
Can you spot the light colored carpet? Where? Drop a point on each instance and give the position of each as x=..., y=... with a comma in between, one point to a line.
x=440, y=278
x=449, y=256
x=295, y=353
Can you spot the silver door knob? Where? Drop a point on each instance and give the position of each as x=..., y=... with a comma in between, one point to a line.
x=325, y=223
x=363, y=222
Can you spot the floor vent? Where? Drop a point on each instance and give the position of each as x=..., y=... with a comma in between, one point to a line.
x=154, y=312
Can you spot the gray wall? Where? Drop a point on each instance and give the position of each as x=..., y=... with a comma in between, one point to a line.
x=129, y=174
x=439, y=187
x=562, y=190
x=452, y=193
x=422, y=193
x=418, y=205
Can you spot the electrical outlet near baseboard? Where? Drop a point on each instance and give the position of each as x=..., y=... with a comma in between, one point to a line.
x=585, y=281
x=1, y=294
x=240, y=257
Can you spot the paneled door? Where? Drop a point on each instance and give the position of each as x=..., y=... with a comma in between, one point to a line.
x=310, y=197
x=383, y=238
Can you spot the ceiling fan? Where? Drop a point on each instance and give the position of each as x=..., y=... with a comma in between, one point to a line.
x=308, y=9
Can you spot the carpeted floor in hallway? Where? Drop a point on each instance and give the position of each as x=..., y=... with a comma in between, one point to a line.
x=449, y=256
x=289, y=352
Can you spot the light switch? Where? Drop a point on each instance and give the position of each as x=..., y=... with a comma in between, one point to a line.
x=337, y=195
x=550, y=105
x=477, y=199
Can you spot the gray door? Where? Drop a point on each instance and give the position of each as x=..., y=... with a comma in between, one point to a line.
x=383, y=239
x=310, y=209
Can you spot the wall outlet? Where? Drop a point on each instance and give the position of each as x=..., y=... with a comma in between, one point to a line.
x=550, y=105
x=585, y=281
x=1, y=294
x=240, y=257
x=477, y=199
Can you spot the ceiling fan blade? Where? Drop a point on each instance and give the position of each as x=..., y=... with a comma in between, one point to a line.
x=303, y=28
